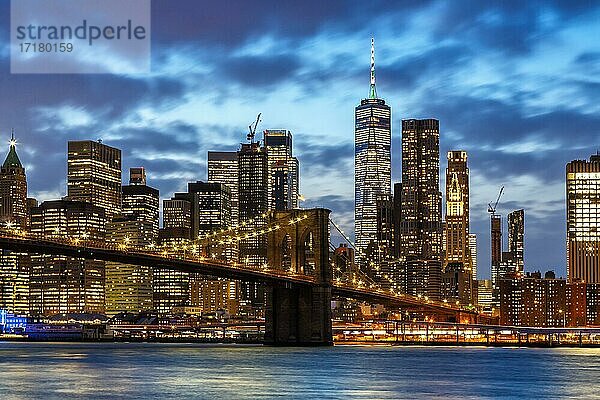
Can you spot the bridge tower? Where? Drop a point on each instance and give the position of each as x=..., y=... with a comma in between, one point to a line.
x=299, y=314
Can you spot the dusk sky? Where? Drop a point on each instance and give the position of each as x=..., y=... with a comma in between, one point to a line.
x=514, y=83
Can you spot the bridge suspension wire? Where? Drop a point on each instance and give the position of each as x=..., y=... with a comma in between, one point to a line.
x=346, y=237
x=232, y=233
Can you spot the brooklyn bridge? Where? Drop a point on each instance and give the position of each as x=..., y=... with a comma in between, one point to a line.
x=298, y=293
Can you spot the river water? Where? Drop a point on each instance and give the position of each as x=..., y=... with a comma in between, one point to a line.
x=148, y=371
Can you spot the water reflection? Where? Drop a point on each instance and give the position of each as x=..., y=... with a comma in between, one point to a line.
x=127, y=370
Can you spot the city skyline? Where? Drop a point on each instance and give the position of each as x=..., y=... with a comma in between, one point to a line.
x=503, y=134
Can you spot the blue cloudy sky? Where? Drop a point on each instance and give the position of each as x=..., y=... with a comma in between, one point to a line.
x=515, y=83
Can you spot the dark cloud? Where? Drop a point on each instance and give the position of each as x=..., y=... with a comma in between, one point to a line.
x=257, y=71
x=316, y=156
x=438, y=63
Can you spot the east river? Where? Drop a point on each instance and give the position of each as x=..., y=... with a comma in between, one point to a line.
x=146, y=371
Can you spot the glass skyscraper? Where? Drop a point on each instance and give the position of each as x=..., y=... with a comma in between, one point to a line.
x=283, y=170
x=94, y=175
x=372, y=163
x=421, y=218
x=583, y=220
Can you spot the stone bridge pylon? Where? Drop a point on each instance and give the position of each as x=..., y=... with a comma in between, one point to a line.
x=298, y=314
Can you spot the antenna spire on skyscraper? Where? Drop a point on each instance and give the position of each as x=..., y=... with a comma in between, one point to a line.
x=373, y=90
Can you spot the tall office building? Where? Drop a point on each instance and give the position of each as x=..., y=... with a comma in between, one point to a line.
x=496, y=259
x=421, y=220
x=253, y=201
x=457, y=210
x=13, y=189
x=65, y=284
x=223, y=168
x=284, y=178
x=170, y=288
x=210, y=206
x=583, y=220
x=473, y=251
x=516, y=236
x=211, y=211
x=128, y=287
x=14, y=267
x=372, y=163
x=140, y=201
x=253, y=193
x=94, y=175
x=458, y=273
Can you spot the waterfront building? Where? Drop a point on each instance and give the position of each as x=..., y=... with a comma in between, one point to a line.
x=94, y=175
x=583, y=220
x=128, y=287
x=531, y=300
x=372, y=164
x=170, y=288
x=284, y=179
x=214, y=295
x=421, y=215
x=61, y=284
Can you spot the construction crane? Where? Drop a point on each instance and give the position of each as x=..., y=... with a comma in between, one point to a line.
x=492, y=209
x=252, y=130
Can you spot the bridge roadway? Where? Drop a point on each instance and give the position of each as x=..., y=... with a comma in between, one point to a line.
x=87, y=249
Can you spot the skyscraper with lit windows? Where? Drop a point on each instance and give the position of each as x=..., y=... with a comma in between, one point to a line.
x=94, y=175
x=457, y=210
x=223, y=168
x=421, y=218
x=458, y=272
x=140, y=201
x=583, y=220
x=14, y=267
x=372, y=163
x=283, y=170
x=65, y=284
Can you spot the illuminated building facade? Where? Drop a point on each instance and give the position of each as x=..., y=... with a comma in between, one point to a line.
x=14, y=267
x=284, y=180
x=140, y=201
x=170, y=288
x=214, y=295
x=223, y=168
x=473, y=251
x=421, y=204
x=372, y=164
x=253, y=190
x=13, y=190
x=64, y=284
x=458, y=272
x=583, y=220
x=128, y=287
x=496, y=252
x=533, y=301
x=210, y=206
x=253, y=201
x=94, y=175
x=516, y=238
x=457, y=210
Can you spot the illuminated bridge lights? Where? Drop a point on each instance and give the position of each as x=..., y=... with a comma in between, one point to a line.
x=181, y=253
